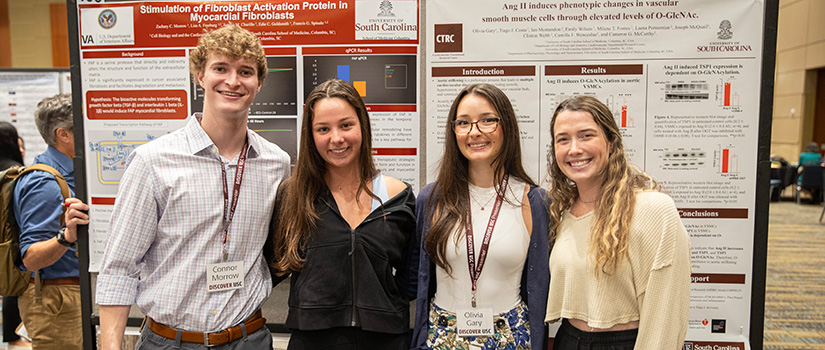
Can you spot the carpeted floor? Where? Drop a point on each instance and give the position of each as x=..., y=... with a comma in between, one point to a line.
x=795, y=292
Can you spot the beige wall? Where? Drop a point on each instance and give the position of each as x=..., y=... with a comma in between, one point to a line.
x=30, y=32
x=800, y=49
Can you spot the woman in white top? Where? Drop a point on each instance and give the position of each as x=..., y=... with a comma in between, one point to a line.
x=620, y=262
x=483, y=226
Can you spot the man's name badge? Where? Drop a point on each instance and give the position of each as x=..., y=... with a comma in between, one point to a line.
x=474, y=322
x=224, y=276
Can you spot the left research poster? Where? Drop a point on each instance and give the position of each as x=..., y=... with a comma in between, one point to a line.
x=136, y=86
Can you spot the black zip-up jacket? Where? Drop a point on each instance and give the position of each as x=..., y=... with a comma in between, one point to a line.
x=363, y=277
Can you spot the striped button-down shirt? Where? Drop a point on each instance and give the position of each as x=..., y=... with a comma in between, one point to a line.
x=167, y=226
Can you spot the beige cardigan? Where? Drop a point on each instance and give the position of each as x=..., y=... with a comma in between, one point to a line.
x=651, y=284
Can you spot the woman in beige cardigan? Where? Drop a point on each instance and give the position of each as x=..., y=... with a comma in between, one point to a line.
x=620, y=264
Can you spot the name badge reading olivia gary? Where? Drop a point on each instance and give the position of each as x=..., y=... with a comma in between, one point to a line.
x=224, y=276
x=474, y=322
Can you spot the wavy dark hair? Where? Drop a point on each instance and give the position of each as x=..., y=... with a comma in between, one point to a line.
x=448, y=204
x=295, y=219
x=614, y=208
x=9, y=146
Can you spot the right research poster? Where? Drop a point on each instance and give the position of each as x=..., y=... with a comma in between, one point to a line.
x=682, y=78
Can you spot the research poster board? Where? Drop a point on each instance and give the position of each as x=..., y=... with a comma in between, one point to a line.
x=20, y=92
x=682, y=78
x=136, y=84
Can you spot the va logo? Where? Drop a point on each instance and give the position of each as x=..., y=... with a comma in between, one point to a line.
x=87, y=39
x=107, y=19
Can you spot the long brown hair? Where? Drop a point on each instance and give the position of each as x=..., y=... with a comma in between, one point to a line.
x=296, y=209
x=614, y=209
x=448, y=204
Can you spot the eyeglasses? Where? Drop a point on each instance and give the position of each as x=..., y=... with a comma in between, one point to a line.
x=484, y=125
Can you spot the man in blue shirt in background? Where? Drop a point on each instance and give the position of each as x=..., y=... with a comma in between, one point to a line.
x=51, y=314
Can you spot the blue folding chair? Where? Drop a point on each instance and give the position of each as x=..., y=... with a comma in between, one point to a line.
x=810, y=179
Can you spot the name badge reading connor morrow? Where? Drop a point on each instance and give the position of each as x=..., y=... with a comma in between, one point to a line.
x=474, y=322
x=224, y=276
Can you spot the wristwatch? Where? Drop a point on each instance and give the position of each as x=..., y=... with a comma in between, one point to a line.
x=61, y=238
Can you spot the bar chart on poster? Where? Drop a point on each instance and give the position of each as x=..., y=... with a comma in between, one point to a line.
x=378, y=78
x=728, y=93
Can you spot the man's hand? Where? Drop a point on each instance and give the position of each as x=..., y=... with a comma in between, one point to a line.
x=77, y=214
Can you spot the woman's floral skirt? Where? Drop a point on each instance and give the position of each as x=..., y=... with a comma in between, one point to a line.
x=512, y=331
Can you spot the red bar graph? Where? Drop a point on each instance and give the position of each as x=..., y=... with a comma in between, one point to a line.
x=727, y=94
x=624, y=116
x=725, y=160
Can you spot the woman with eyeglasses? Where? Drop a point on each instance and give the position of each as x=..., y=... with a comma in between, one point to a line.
x=483, y=274
x=620, y=264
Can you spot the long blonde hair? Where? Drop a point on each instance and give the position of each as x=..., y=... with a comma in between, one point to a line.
x=614, y=209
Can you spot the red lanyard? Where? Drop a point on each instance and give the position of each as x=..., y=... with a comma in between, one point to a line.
x=236, y=191
x=475, y=271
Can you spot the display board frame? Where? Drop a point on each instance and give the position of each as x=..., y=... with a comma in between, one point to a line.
x=761, y=206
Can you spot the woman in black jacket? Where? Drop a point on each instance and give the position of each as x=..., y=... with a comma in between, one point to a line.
x=345, y=233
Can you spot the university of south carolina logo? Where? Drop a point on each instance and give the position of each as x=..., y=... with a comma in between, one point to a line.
x=107, y=19
x=386, y=9
x=724, y=30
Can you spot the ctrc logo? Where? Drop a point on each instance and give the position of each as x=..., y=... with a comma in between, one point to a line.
x=445, y=38
x=449, y=37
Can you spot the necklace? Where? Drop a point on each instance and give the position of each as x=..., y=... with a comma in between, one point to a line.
x=485, y=203
x=345, y=185
x=588, y=202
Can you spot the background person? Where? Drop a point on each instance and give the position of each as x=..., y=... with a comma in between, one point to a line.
x=810, y=156
x=620, y=265
x=52, y=318
x=481, y=177
x=345, y=232
x=22, y=147
x=10, y=155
